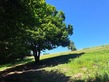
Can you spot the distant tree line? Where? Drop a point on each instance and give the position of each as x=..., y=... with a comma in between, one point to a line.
x=27, y=25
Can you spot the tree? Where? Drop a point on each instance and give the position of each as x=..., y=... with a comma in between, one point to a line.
x=51, y=32
x=71, y=46
x=30, y=25
x=15, y=17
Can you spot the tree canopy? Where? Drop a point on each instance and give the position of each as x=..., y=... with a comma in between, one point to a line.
x=31, y=25
x=15, y=17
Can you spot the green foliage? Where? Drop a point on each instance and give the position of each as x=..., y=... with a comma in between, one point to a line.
x=15, y=17
x=51, y=30
x=71, y=46
x=30, y=25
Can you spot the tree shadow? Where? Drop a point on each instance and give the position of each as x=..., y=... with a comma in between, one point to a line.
x=35, y=76
x=33, y=71
x=61, y=59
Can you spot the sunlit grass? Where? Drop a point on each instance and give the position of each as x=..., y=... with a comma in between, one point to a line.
x=91, y=66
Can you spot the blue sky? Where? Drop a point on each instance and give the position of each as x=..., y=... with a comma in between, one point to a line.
x=90, y=20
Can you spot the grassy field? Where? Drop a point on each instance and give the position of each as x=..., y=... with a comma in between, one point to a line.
x=86, y=65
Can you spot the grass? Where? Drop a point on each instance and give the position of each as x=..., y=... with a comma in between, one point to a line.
x=86, y=65
x=11, y=65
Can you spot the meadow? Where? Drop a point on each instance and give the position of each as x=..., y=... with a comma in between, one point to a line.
x=85, y=65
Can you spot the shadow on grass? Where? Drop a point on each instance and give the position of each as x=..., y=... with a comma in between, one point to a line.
x=17, y=62
x=35, y=76
x=32, y=72
x=61, y=59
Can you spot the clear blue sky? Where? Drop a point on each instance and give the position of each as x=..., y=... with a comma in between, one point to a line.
x=90, y=20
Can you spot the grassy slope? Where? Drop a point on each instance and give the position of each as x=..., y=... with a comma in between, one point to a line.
x=93, y=65
x=86, y=65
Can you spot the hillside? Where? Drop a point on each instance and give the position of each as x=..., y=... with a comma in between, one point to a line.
x=86, y=65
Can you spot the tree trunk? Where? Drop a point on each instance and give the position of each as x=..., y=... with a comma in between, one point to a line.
x=39, y=55
x=36, y=55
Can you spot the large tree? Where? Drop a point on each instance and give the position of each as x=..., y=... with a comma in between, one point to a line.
x=31, y=25
x=51, y=32
x=15, y=17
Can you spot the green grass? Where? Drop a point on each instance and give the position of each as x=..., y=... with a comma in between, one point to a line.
x=11, y=65
x=86, y=65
